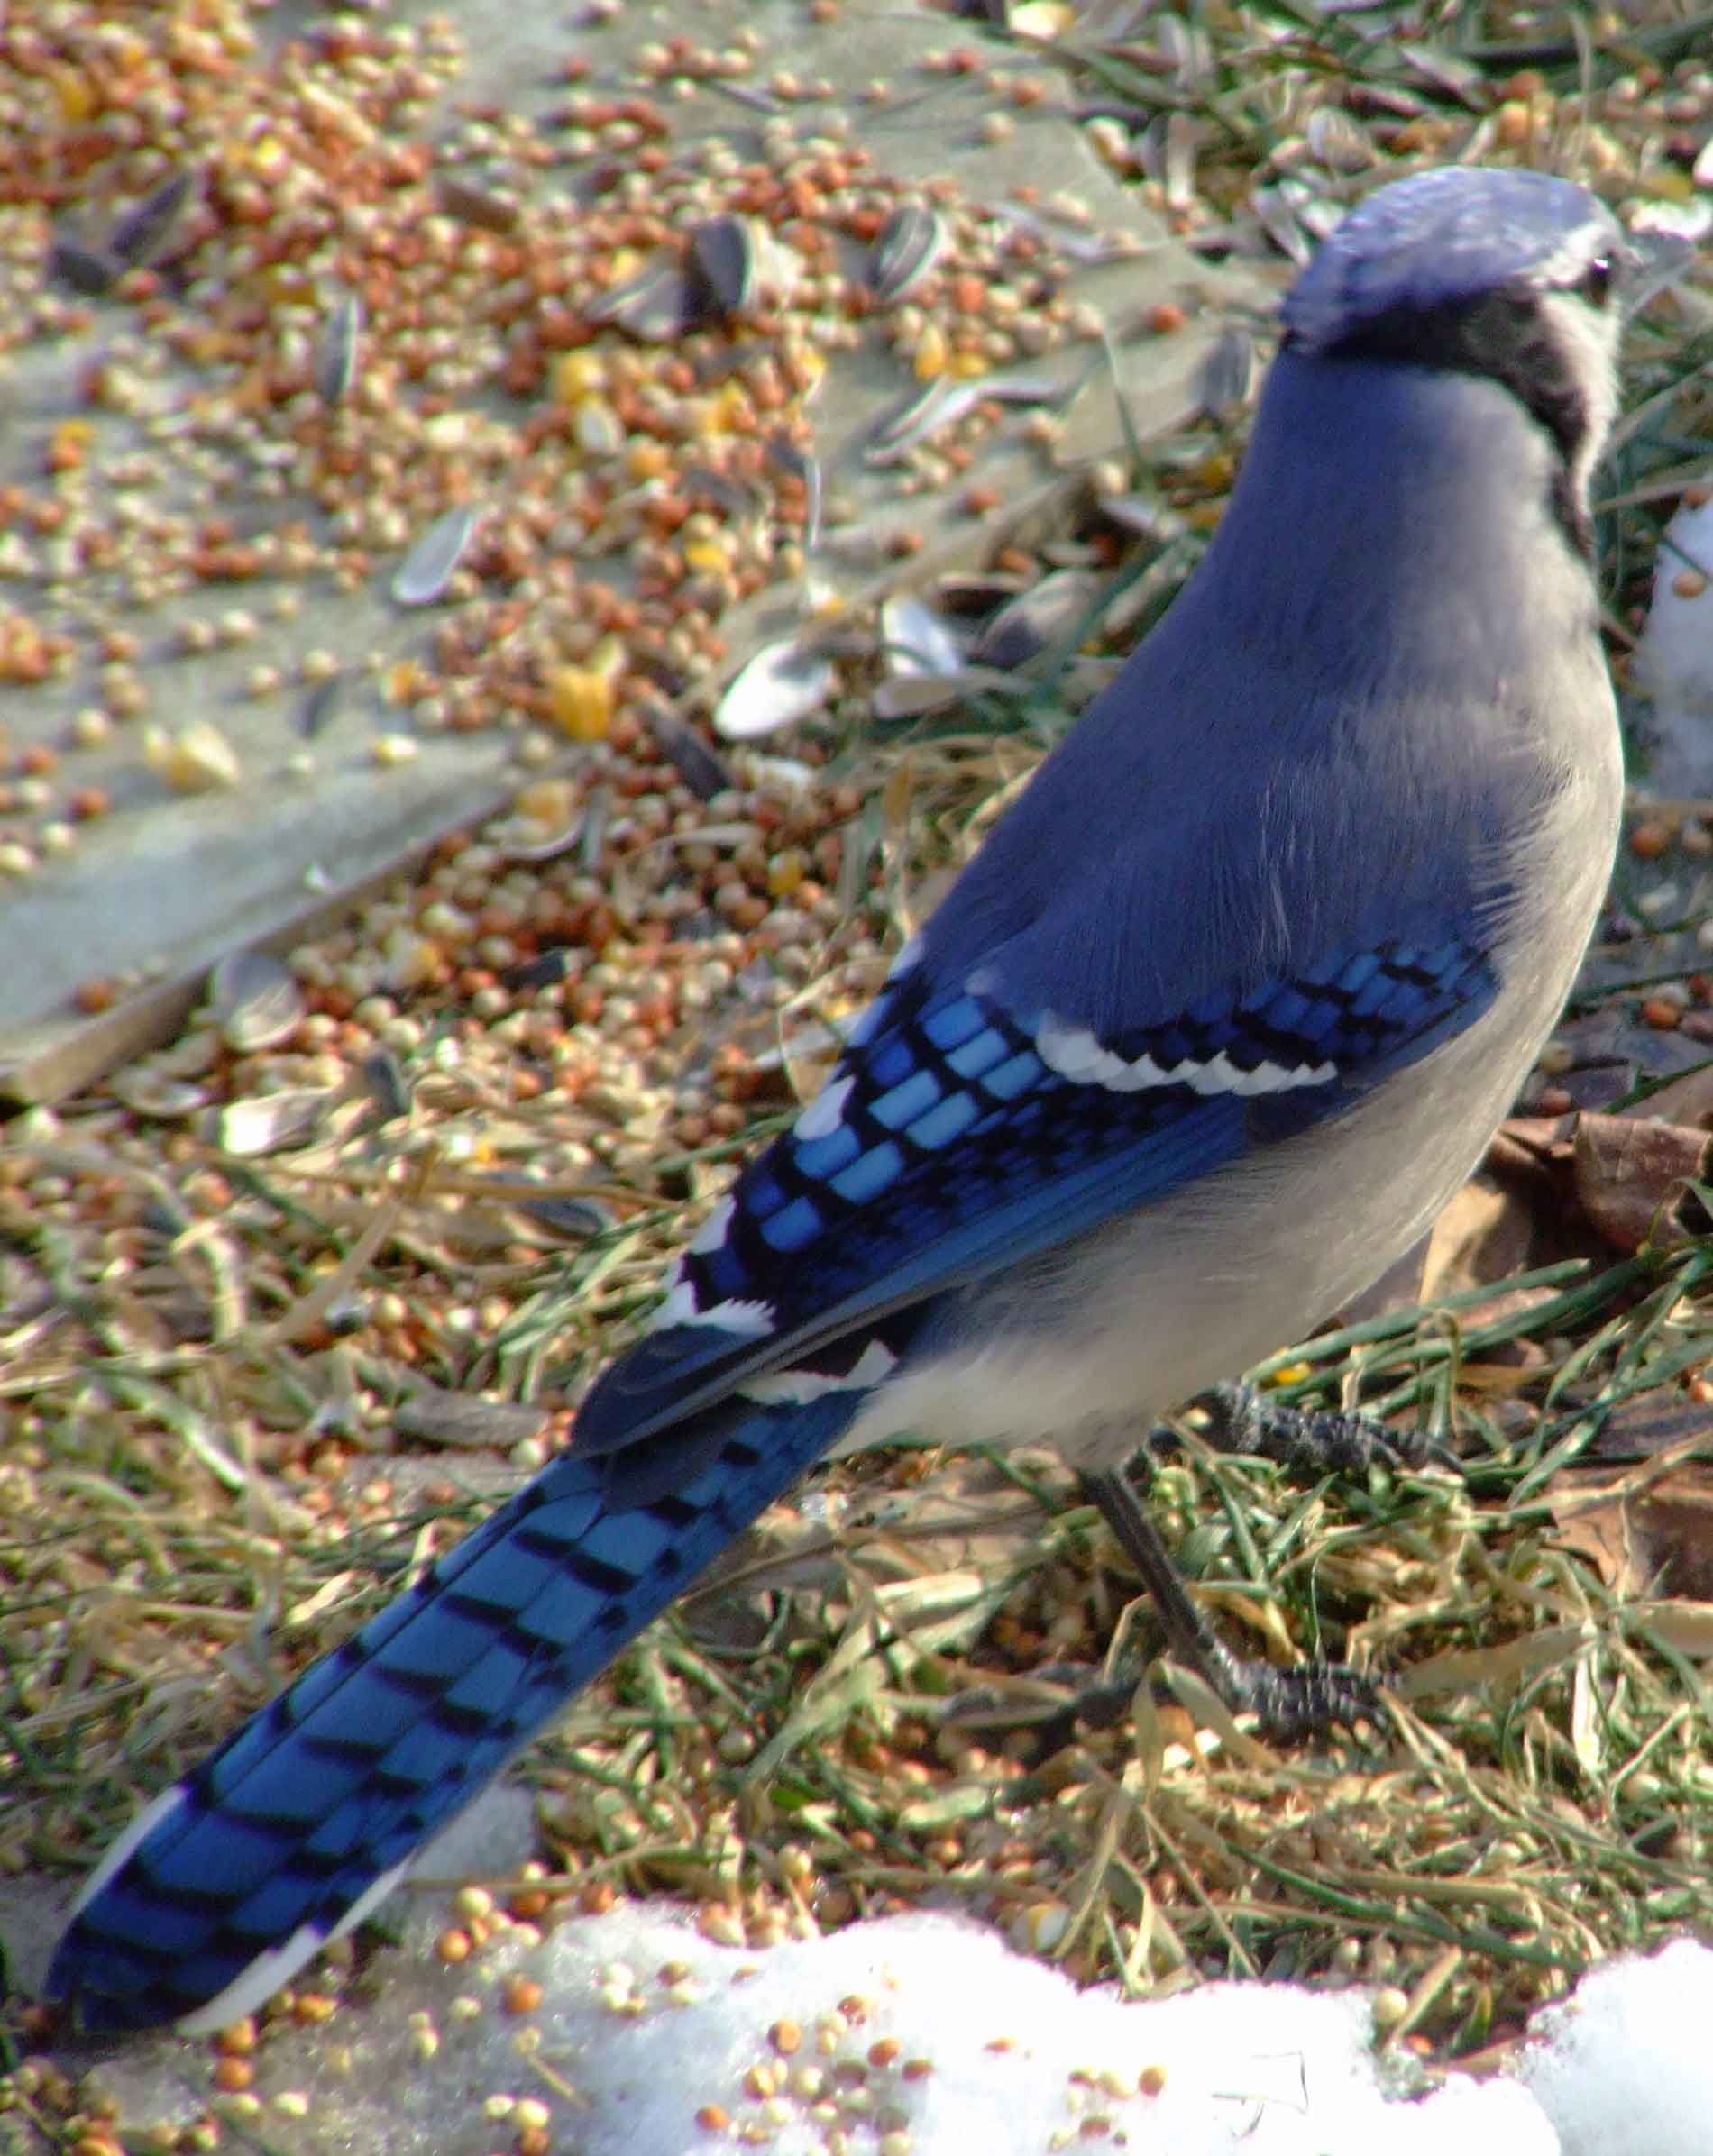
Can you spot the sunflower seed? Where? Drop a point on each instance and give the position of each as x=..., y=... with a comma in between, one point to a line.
x=88, y=270
x=722, y=264
x=1145, y=515
x=734, y=497
x=546, y=971
x=1169, y=148
x=388, y=1088
x=193, y=1054
x=270, y=1122
x=909, y=245
x=980, y=593
x=918, y=639
x=571, y=1216
x=658, y=308
x=911, y=696
x=144, y=234
x=781, y=684
x=694, y=762
x=791, y=458
x=318, y=706
x=549, y=849
x=335, y=366
x=1670, y=234
x=255, y=1001
x=1339, y=141
x=1278, y=220
x=943, y=404
x=150, y=1093
x=425, y=573
x=591, y=840
x=1043, y=616
x=1448, y=72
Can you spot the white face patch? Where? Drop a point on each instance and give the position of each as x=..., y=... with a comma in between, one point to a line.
x=1075, y=1054
x=1588, y=340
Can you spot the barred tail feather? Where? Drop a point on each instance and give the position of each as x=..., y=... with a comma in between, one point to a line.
x=308, y=1816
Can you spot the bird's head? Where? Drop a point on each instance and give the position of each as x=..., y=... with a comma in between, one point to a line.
x=1518, y=277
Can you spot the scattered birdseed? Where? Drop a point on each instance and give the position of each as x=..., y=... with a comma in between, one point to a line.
x=255, y=1001
x=907, y=247
x=426, y=570
x=784, y=683
x=89, y=269
x=336, y=356
x=143, y=234
x=723, y=264
x=194, y=760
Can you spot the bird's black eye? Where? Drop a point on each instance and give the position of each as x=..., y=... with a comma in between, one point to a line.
x=1598, y=280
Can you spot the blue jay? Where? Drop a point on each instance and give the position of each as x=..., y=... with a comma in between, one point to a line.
x=1205, y=1036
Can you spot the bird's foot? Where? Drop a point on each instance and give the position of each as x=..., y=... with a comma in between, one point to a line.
x=1310, y=1441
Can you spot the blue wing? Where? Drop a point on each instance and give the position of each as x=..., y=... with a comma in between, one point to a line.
x=958, y=1136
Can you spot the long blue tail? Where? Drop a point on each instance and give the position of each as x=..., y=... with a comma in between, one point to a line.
x=307, y=1817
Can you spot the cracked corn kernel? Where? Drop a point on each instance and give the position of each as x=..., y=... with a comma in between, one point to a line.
x=194, y=760
x=578, y=374
x=932, y=355
x=581, y=701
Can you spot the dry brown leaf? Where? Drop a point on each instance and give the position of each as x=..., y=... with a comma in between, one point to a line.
x=1483, y=1235
x=1631, y=1175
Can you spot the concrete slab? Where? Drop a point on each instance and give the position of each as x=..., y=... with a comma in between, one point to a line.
x=169, y=480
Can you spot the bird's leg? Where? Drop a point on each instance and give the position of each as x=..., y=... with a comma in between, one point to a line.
x=1288, y=1703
